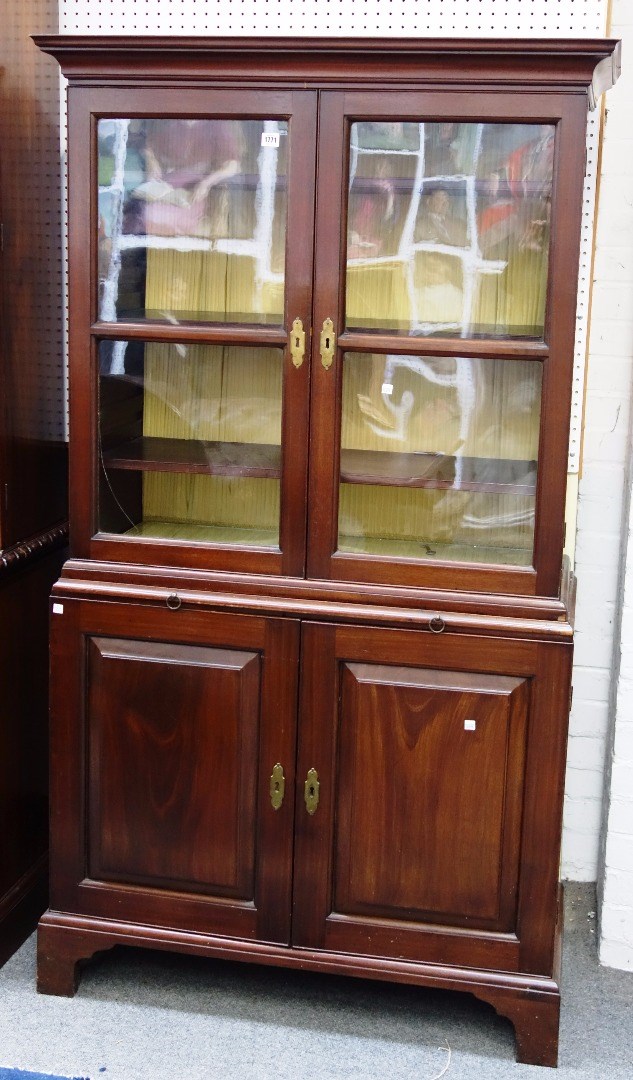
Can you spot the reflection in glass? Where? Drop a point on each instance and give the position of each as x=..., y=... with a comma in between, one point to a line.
x=192, y=219
x=439, y=458
x=190, y=440
x=448, y=228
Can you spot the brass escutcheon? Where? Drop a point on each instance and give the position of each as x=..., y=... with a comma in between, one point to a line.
x=328, y=344
x=297, y=343
x=311, y=791
x=277, y=786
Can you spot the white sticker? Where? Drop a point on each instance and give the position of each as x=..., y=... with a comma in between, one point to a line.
x=58, y=609
x=387, y=388
x=270, y=138
x=470, y=725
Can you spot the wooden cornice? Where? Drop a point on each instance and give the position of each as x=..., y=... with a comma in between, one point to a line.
x=589, y=65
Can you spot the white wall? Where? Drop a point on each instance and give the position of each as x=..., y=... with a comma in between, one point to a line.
x=602, y=515
x=613, y=334
x=601, y=499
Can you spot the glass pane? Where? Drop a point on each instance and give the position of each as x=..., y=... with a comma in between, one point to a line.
x=448, y=228
x=192, y=219
x=438, y=458
x=190, y=440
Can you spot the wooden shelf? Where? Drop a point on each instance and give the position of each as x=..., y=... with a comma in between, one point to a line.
x=199, y=533
x=435, y=551
x=424, y=470
x=195, y=326
x=195, y=456
x=454, y=186
x=372, y=467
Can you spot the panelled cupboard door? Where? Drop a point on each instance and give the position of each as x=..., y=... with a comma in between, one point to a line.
x=419, y=756
x=444, y=332
x=184, y=719
x=189, y=341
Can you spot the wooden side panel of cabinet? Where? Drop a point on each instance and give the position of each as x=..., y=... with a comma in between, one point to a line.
x=180, y=718
x=424, y=839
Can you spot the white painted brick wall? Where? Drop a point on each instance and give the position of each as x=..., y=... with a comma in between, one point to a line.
x=619, y=851
x=612, y=342
x=602, y=495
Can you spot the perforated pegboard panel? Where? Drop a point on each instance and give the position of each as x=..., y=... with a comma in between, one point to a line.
x=396, y=18
x=31, y=207
x=584, y=290
x=32, y=388
x=377, y=18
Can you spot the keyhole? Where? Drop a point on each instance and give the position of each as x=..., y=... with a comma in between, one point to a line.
x=276, y=785
x=311, y=791
x=296, y=343
x=327, y=343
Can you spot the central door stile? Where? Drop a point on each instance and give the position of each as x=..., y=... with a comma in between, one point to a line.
x=330, y=232
x=298, y=316
x=275, y=840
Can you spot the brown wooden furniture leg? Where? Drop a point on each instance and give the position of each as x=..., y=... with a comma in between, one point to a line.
x=535, y=1018
x=60, y=954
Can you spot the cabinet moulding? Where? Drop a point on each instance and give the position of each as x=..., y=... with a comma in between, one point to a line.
x=318, y=609
x=86, y=575
x=589, y=65
x=66, y=941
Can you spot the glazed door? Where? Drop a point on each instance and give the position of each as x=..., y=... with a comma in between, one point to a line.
x=190, y=315
x=425, y=830
x=187, y=724
x=438, y=437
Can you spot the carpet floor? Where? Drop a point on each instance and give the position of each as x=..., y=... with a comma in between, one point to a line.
x=153, y=1016
x=19, y=1074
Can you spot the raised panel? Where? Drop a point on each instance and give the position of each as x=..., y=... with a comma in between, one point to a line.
x=173, y=743
x=427, y=812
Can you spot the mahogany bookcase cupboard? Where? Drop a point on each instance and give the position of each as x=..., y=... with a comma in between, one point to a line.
x=311, y=657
